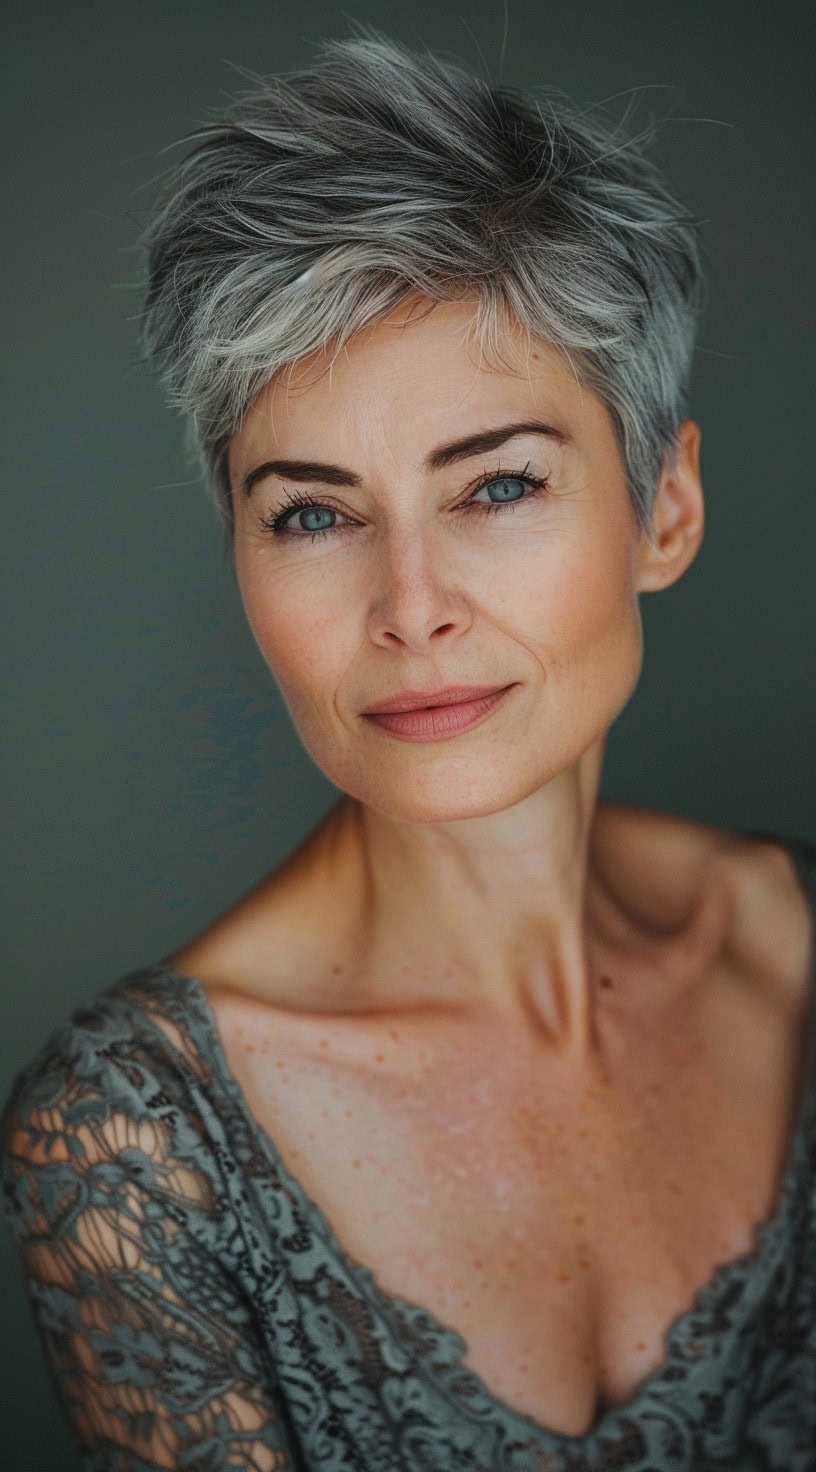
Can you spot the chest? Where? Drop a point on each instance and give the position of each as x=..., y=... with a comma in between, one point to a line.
x=558, y=1223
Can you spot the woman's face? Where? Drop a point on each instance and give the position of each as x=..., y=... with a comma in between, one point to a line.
x=405, y=579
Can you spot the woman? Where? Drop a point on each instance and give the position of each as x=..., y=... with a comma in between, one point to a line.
x=480, y=1134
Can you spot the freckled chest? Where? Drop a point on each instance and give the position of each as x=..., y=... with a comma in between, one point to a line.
x=558, y=1224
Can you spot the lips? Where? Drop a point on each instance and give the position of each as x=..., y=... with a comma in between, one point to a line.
x=425, y=699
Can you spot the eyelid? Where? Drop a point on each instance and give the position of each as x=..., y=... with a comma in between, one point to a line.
x=324, y=498
x=299, y=500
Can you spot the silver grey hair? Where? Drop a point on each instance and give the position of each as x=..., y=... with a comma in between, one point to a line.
x=328, y=195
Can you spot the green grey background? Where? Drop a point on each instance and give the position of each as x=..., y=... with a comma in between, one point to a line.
x=151, y=771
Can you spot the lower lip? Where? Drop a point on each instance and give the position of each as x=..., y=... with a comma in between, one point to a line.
x=441, y=721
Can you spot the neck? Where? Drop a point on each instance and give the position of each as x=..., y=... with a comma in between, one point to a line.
x=513, y=914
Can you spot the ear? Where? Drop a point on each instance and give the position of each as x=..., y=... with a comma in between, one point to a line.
x=678, y=517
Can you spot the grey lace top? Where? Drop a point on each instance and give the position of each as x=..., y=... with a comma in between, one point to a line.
x=197, y=1311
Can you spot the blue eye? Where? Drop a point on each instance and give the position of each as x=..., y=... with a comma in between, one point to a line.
x=296, y=501
x=536, y=483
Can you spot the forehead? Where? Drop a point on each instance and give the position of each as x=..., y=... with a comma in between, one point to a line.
x=417, y=372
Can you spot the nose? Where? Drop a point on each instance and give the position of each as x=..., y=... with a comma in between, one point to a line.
x=415, y=598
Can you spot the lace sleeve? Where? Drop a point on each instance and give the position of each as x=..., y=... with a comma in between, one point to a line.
x=149, y=1341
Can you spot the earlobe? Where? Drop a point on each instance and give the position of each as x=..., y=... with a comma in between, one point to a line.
x=678, y=517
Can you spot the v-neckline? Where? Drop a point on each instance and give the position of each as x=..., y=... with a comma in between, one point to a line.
x=465, y=1385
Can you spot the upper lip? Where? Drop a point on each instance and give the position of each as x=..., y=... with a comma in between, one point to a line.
x=417, y=699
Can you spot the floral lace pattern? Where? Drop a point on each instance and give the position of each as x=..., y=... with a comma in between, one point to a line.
x=197, y=1311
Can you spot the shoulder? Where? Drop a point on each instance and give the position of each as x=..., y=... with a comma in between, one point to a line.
x=773, y=883
x=130, y=1243
x=673, y=862
x=105, y=1085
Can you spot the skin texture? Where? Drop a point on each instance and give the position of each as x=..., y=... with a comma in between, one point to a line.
x=416, y=591
x=532, y=1053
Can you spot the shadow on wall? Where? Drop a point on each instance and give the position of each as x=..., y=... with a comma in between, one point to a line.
x=48, y=1445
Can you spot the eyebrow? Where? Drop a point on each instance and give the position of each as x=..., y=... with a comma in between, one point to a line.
x=450, y=454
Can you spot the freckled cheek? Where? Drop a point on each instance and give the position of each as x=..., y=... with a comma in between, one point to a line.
x=578, y=603
x=295, y=637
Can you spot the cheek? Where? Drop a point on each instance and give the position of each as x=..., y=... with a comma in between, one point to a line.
x=589, y=639
x=596, y=607
x=292, y=632
x=579, y=601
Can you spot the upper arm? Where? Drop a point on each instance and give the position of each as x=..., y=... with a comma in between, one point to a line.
x=151, y=1345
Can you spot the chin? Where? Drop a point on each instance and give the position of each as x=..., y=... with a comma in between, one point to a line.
x=449, y=792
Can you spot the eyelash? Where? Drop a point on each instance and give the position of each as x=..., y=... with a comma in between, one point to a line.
x=297, y=500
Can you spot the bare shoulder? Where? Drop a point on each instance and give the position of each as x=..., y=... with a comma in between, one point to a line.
x=671, y=861
x=661, y=867
x=773, y=918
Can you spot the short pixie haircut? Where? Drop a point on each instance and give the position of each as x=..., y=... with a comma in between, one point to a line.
x=327, y=195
